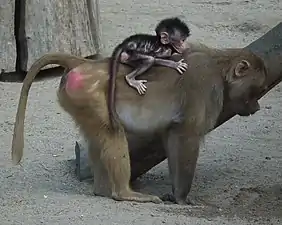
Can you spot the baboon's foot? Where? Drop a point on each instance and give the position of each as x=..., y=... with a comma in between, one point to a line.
x=179, y=201
x=136, y=197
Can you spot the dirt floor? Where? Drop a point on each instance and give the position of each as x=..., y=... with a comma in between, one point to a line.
x=239, y=173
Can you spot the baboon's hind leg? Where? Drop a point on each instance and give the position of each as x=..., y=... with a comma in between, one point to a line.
x=115, y=157
x=85, y=100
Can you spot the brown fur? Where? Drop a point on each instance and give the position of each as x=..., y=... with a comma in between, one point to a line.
x=182, y=109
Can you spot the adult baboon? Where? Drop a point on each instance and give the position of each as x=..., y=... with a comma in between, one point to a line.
x=181, y=109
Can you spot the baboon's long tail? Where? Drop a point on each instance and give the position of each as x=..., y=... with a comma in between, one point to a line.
x=62, y=59
x=113, y=70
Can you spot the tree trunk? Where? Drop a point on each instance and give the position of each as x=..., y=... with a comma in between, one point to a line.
x=269, y=47
x=143, y=158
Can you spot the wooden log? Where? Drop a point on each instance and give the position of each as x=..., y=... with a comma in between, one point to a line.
x=8, y=44
x=18, y=76
x=145, y=157
x=59, y=26
x=269, y=48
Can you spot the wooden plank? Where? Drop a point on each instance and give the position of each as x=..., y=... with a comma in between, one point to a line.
x=58, y=26
x=8, y=44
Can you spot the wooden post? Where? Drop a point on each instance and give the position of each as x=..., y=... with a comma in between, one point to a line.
x=8, y=44
x=40, y=27
x=58, y=25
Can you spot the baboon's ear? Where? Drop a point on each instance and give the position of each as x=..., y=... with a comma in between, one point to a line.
x=241, y=68
x=164, y=38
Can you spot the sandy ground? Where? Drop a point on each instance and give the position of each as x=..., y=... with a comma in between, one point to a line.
x=238, y=178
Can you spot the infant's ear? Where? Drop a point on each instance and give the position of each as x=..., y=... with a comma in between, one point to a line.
x=164, y=38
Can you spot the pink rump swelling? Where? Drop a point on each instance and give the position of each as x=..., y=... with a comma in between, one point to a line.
x=74, y=80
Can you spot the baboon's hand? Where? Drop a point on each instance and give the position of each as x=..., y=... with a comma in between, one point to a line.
x=138, y=85
x=181, y=66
